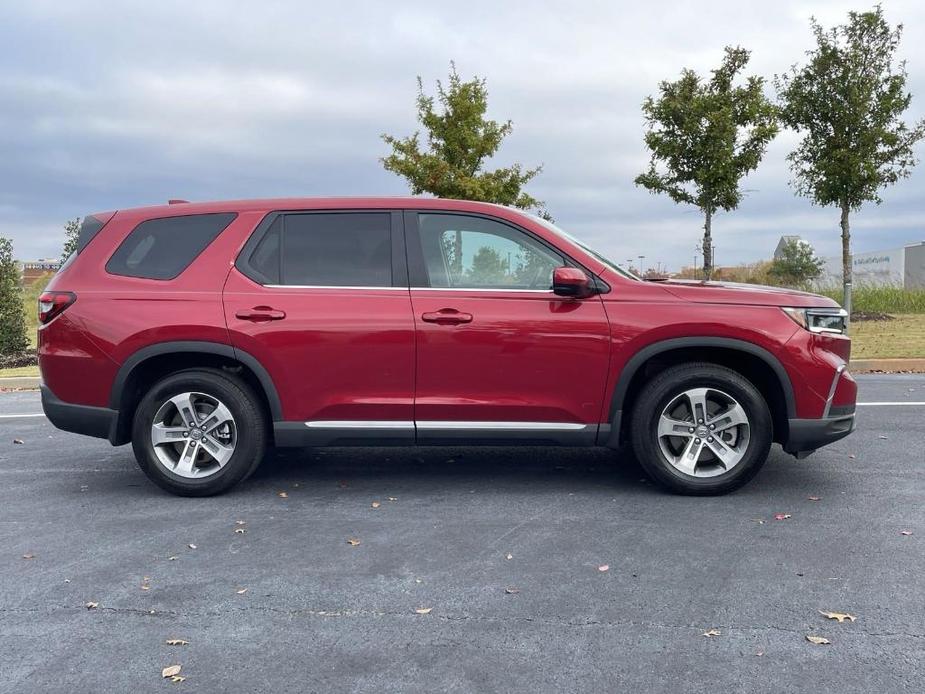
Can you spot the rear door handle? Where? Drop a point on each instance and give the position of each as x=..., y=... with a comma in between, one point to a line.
x=447, y=316
x=260, y=314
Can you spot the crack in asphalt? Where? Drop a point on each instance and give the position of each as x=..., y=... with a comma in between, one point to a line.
x=133, y=611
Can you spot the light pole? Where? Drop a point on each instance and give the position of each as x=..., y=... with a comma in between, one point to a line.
x=641, y=269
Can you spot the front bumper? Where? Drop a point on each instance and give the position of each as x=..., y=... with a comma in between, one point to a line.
x=79, y=419
x=806, y=435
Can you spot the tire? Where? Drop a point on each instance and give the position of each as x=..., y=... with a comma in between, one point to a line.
x=727, y=456
x=221, y=449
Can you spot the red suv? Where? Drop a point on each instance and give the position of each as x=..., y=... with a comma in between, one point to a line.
x=205, y=333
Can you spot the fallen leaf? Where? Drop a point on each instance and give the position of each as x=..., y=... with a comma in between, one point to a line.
x=760, y=653
x=905, y=532
x=240, y=522
x=172, y=558
x=146, y=587
x=393, y=498
x=814, y=498
x=176, y=642
x=509, y=556
x=177, y=678
x=818, y=640
x=840, y=616
x=512, y=591
x=92, y=605
x=759, y=521
x=852, y=456
x=424, y=610
x=375, y=504
x=191, y=546
x=782, y=516
x=171, y=671
x=18, y=441
x=241, y=592
x=28, y=556
x=884, y=436
x=712, y=632
x=353, y=542
x=240, y=531
x=283, y=495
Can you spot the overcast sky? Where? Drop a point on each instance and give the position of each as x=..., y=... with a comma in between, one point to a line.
x=106, y=105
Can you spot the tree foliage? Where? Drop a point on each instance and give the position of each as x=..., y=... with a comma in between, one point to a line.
x=796, y=266
x=704, y=136
x=71, y=234
x=459, y=140
x=847, y=103
x=13, y=338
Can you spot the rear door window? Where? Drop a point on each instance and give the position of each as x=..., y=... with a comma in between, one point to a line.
x=324, y=249
x=160, y=249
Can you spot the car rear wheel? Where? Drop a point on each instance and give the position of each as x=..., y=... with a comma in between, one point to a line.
x=701, y=428
x=199, y=432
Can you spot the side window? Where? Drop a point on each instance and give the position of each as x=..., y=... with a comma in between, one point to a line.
x=337, y=249
x=160, y=249
x=476, y=253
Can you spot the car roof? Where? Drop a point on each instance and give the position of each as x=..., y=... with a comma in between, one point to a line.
x=318, y=203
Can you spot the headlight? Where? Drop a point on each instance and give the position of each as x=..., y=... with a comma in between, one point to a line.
x=819, y=320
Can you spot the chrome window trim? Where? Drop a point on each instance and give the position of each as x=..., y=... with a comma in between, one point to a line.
x=832, y=389
x=332, y=286
x=486, y=289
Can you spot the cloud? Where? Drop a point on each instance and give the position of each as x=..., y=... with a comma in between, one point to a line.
x=109, y=105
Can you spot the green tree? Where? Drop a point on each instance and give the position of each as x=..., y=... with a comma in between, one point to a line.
x=797, y=265
x=71, y=234
x=847, y=103
x=13, y=339
x=459, y=141
x=704, y=136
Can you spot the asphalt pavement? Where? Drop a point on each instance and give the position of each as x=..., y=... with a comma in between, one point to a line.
x=476, y=569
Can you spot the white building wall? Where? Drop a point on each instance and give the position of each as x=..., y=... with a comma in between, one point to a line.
x=876, y=268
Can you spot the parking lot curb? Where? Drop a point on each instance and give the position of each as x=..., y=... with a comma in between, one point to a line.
x=20, y=382
x=907, y=365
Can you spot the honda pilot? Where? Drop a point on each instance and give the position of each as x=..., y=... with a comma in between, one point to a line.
x=205, y=334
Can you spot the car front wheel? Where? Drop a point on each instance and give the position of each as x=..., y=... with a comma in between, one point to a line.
x=701, y=428
x=199, y=432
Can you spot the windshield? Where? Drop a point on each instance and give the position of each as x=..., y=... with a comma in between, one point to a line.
x=581, y=244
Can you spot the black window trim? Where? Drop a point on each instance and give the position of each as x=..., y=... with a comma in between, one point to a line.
x=417, y=268
x=396, y=233
x=192, y=261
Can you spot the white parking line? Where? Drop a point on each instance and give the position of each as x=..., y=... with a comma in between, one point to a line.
x=860, y=404
x=891, y=404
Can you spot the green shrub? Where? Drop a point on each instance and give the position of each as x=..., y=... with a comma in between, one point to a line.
x=881, y=299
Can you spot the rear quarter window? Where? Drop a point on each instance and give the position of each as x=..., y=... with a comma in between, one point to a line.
x=160, y=249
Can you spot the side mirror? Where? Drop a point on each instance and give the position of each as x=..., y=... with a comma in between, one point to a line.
x=571, y=282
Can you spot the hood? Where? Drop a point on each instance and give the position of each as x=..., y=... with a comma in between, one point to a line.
x=751, y=294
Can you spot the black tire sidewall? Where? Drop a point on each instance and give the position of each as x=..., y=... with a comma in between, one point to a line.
x=667, y=386
x=249, y=422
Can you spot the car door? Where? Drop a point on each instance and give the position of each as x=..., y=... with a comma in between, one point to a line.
x=499, y=355
x=320, y=299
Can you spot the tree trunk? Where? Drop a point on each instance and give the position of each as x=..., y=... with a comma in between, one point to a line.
x=707, y=245
x=846, y=256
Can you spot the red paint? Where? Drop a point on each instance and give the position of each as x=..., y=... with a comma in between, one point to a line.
x=400, y=354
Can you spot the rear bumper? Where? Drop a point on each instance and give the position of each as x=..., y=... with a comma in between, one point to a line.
x=79, y=419
x=806, y=435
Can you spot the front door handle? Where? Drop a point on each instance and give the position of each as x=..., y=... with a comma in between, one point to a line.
x=447, y=316
x=260, y=314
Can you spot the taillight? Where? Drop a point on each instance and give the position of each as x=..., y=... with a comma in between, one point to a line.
x=52, y=304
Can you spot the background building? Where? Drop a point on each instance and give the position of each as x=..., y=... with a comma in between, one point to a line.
x=902, y=267
x=31, y=270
